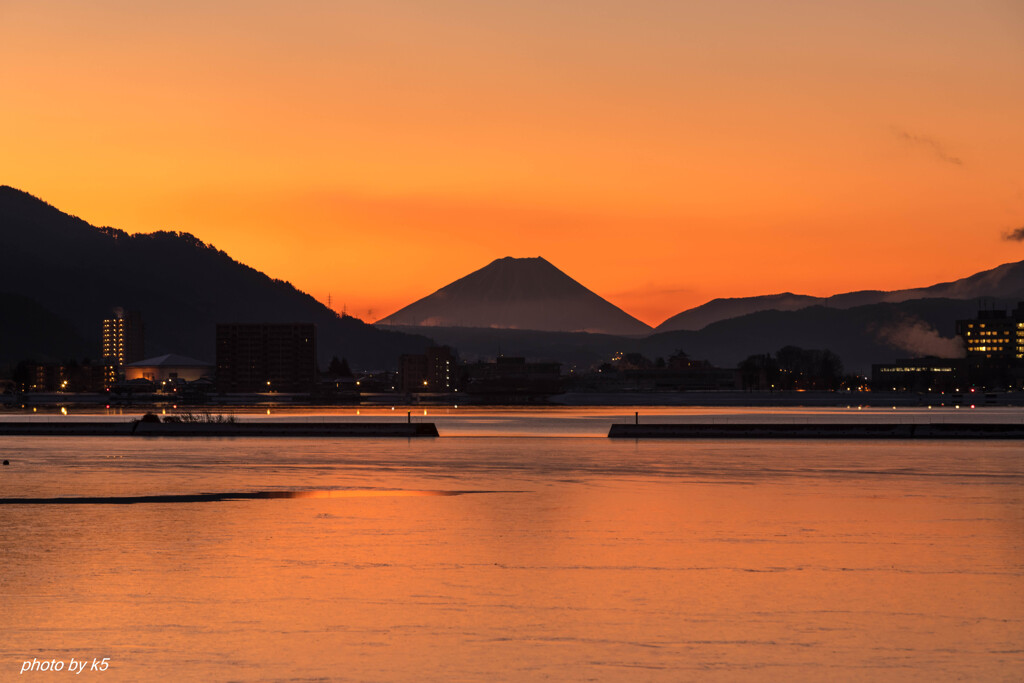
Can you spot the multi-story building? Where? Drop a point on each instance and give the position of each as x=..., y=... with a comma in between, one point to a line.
x=412, y=372
x=266, y=357
x=123, y=339
x=995, y=346
x=435, y=370
x=441, y=368
x=47, y=376
x=64, y=377
x=994, y=334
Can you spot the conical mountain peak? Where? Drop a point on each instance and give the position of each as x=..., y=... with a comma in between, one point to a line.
x=518, y=293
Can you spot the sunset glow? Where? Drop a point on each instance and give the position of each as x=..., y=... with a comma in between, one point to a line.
x=662, y=154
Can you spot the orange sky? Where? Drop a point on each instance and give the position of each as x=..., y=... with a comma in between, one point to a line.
x=661, y=153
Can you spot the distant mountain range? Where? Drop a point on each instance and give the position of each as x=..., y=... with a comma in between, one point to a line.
x=532, y=294
x=61, y=277
x=1004, y=283
x=861, y=336
x=528, y=307
x=520, y=294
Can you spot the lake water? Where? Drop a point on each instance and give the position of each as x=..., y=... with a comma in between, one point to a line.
x=521, y=546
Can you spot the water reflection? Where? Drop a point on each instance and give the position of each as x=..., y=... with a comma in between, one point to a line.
x=233, y=495
x=657, y=561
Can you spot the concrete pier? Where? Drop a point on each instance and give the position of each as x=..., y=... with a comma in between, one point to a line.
x=820, y=430
x=220, y=429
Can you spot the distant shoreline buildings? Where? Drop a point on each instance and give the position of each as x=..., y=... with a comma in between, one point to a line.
x=994, y=358
x=263, y=359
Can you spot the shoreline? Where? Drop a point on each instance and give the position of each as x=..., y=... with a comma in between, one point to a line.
x=677, y=399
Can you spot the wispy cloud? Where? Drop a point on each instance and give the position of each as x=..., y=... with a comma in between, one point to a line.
x=925, y=142
x=1015, y=235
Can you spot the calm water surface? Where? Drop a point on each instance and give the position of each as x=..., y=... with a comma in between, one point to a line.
x=557, y=557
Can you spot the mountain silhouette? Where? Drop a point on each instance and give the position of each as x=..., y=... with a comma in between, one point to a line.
x=63, y=276
x=518, y=293
x=1004, y=283
x=860, y=335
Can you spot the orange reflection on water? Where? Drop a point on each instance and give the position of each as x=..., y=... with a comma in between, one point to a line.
x=745, y=566
x=363, y=493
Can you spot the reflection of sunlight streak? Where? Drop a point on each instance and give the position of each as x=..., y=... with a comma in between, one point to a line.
x=234, y=496
x=365, y=493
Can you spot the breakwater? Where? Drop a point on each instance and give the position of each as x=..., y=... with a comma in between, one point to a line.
x=220, y=429
x=819, y=430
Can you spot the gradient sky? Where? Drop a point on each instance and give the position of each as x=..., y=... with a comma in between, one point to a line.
x=662, y=153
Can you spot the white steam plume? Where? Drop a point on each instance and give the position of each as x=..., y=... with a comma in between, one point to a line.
x=921, y=339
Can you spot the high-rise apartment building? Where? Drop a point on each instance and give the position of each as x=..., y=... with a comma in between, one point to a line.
x=262, y=357
x=123, y=339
